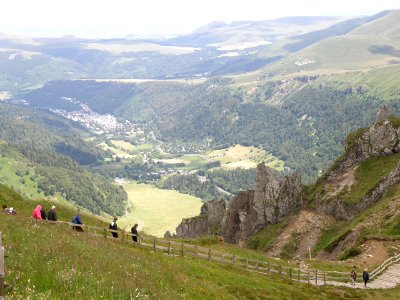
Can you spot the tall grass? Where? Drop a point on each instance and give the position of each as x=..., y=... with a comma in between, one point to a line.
x=51, y=262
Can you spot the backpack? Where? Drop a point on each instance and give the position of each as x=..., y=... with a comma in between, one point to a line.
x=74, y=220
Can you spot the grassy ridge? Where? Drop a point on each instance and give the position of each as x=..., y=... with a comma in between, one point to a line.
x=49, y=262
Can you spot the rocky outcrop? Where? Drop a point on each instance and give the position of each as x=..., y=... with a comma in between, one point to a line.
x=382, y=138
x=273, y=198
x=343, y=210
x=208, y=222
x=239, y=218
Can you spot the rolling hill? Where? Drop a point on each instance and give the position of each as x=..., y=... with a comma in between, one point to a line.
x=374, y=42
x=44, y=155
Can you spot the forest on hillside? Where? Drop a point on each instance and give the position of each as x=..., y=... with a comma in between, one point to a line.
x=302, y=126
x=55, y=150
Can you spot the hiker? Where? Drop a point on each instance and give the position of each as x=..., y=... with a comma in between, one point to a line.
x=77, y=220
x=113, y=226
x=353, y=276
x=43, y=214
x=12, y=211
x=52, y=215
x=36, y=212
x=365, y=276
x=135, y=232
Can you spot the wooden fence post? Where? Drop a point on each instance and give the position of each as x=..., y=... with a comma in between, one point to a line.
x=269, y=268
x=298, y=275
x=308, y=277
x=290, y=274
x=316, y=277
x=209, y=254
x=182, y=250
x=1, y=267
x=169, y=248
x=324, y=278
x=257, y=266
x=234, y=259
x=154, y=244
x=196, y=250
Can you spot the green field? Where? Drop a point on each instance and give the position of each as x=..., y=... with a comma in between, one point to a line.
x=133, y=149
x=239, y=156
x=156, y=210
x=124, y=145
x=117, y=151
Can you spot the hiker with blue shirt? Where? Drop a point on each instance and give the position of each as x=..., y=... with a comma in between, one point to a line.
x=77, y=220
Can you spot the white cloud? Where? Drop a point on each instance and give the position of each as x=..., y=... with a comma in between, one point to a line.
x=123, y=17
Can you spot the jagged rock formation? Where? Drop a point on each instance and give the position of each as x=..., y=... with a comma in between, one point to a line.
x=239, y=217
x=208, y=222
x=273, y=198
x=382, y=138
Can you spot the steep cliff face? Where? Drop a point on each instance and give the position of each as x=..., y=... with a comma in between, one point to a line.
x=239, y=219
x=208, y=222
x=273, y=198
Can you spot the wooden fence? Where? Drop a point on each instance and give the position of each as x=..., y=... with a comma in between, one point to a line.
x=293, y=273
x=173, y=248
x=383, y=267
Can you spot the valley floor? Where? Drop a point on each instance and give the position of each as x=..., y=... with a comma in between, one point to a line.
x=157, y=210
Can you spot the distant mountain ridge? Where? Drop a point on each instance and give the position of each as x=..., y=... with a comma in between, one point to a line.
x=297, y=105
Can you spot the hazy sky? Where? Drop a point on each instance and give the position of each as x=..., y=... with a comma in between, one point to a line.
x=156, y=17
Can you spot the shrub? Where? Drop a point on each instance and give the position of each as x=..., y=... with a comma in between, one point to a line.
x=353, y=251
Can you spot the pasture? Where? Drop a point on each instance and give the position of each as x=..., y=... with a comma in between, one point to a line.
x=157, y=210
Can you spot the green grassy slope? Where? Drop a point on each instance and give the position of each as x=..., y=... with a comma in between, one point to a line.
x=372, y=44
x=53, y=151
x=49, y=262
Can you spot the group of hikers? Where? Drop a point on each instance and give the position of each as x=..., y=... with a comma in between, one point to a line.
x=40, y=214
x=353, y=276
x=114, y=227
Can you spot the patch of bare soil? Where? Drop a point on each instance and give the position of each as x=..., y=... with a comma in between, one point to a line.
x=338, y=183
x=305, y=228
x=374, y=251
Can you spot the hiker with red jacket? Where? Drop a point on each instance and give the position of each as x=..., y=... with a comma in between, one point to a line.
x=36, y=212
